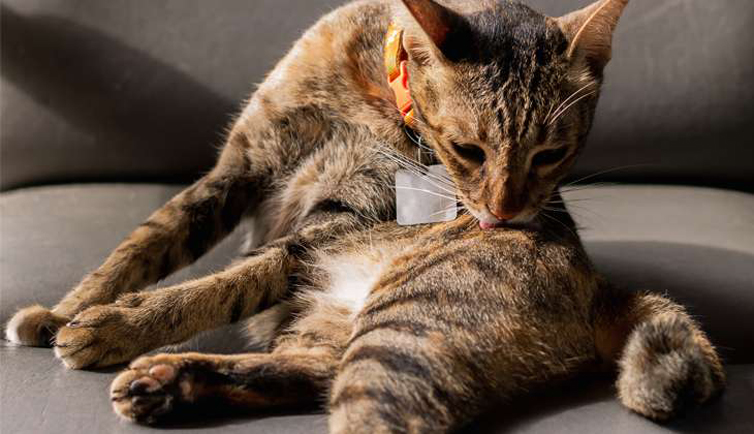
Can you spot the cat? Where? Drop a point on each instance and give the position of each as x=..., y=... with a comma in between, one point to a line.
x=401, y=328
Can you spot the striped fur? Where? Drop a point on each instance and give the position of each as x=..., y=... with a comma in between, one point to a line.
x=394, y=329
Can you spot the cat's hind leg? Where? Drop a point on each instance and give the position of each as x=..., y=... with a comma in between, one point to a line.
x=154, y=387
x=395, y=378
x=665, y=360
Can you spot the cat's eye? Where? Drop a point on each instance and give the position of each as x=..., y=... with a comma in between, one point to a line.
x=548, y=157
x=469, y=152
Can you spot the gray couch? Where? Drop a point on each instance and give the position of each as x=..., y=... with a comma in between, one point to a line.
x=109, y=106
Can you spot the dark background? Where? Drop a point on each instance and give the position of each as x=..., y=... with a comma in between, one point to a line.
x=143, y=90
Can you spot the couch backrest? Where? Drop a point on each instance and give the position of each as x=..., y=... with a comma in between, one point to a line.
x=143, y=89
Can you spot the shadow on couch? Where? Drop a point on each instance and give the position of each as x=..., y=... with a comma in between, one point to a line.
x=84, y=76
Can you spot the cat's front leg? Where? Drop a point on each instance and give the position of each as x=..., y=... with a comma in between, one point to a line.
x=665, y=360
x=137, y=323
x=174, y=236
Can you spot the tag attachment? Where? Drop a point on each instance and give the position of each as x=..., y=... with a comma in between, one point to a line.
x=427, y=198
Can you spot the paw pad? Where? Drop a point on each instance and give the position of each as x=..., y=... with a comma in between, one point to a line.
x=150, y=389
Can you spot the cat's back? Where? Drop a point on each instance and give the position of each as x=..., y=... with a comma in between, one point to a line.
x=329, y=84
x=337, y=58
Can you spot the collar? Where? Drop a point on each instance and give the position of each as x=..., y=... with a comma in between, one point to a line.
x=396, y=62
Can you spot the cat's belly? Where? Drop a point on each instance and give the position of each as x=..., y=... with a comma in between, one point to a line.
x=352, y=275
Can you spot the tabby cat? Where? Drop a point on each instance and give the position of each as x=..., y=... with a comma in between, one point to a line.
x=398, y=328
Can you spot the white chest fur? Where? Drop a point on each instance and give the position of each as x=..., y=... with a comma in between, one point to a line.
x=352, y=276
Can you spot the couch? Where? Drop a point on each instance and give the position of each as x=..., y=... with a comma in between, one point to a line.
x=108, y=107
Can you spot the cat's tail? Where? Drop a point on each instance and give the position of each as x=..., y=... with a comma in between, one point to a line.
x=667, y=362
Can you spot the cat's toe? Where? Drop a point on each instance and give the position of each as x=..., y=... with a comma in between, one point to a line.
x=34, y=326
x=97, y=337
x=664, y=370
x=131, y=300
x=77, y=348
x=151, y=388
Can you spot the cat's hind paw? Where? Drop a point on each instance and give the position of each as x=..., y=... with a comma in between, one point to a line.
x=667, y=366
x=34, y=326
x=152, y=387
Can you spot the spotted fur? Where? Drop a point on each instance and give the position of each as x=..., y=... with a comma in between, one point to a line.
x=394, y=329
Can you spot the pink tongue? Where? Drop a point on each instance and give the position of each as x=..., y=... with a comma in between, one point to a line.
x=487, y=226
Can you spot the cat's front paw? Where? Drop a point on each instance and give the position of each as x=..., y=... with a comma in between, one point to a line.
x=100, y=336
x=152, y=387
x=666, y=366
x=34, y=326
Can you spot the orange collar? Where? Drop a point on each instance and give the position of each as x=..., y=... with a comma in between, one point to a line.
x=396, y=61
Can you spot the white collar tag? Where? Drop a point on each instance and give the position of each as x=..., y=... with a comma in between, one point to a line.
x=425, y=198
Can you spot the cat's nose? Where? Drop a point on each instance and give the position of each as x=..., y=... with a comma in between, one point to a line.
x=503, y=214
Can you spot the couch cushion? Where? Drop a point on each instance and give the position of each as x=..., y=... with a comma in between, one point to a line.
x=650, y=237
x=40, y=396
x=115, y=89
x=695, y=244
x=52, y=236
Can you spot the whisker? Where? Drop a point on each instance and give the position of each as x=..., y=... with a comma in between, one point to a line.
x=442, y=212
x=569, y=201
x=425, y=191
x=554, y=209
x=440, y=182
x=459, y=207
x=419, y=142
x=566, y=101
x=578, y=210
x=586, y=187
x=544, y=214
x=568, y=107
x=614, y=169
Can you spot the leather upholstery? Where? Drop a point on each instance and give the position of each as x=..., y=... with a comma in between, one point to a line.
x=113, y=89
x=647, y=237
x=642, y=237
x=55, y=400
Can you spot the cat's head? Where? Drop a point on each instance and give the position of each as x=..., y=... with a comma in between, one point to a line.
x=506, y=95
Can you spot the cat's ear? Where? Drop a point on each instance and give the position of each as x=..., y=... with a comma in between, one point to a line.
x=590, y=32
x=444, y=27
